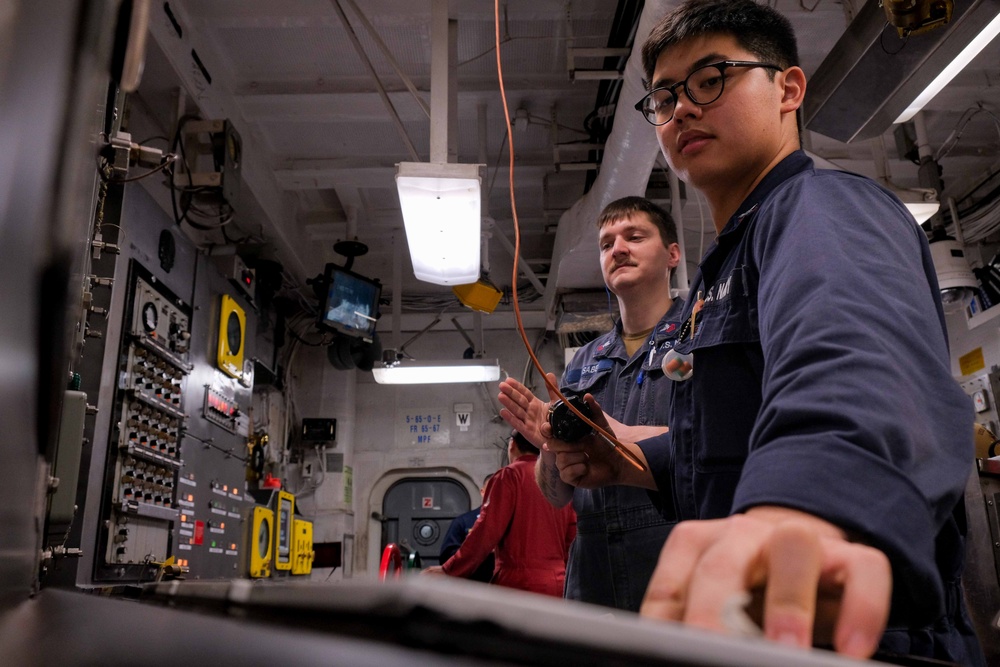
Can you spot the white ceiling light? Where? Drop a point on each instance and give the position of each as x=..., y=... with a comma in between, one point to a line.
x=953, y=68
x=441, y=215
x=406, y=371
x=871, y=77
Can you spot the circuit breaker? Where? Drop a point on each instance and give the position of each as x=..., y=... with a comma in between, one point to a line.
x=982, y=390
x=302, y=546
x=140, y=498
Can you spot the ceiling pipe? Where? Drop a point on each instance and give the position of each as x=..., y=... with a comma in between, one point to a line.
x=489, y=224
x=629, y=155
x=444, y=84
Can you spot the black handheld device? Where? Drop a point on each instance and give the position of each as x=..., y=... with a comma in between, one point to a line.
x=566, y=426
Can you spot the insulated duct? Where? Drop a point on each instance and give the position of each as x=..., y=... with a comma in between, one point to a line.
x=629, y=155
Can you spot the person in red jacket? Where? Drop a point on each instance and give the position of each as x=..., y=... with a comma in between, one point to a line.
x=529, y=537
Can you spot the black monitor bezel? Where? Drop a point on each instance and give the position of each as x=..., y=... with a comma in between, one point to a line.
x=329, y=277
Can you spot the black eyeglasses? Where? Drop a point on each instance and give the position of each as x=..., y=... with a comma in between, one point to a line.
x=702, y=86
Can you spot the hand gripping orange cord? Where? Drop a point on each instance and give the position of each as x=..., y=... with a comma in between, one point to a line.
x=605, y=435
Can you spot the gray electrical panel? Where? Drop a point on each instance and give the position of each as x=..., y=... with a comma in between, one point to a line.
x=144, y=456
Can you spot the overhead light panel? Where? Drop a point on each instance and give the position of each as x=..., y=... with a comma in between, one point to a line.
x=952, y=69
x=406, y=371
x=871, y=77
x=441, y=215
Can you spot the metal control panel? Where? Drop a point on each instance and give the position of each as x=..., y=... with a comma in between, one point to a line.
x=982, y=389
x=213, y=495
x=144, y=458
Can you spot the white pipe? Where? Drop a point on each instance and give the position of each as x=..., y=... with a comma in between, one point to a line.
x=444, y=90
x=954, y=220
x=629, y=155
x=397, y=290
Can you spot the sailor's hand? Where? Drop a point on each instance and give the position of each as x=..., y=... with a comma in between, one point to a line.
x=524, y=411
x=811, y=584
x=590, y=462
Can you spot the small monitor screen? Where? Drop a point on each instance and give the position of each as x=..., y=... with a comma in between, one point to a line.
x=351, y=306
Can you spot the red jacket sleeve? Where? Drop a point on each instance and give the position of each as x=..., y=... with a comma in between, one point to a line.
x=494, y=519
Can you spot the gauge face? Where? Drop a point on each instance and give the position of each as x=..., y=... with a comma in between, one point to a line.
x=234, y=334
x=263, y=538
x=149, y=316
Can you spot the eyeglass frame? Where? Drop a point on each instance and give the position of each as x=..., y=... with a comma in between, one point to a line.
x=722, y=66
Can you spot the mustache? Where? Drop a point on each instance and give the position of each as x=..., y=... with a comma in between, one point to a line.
x=619, y=265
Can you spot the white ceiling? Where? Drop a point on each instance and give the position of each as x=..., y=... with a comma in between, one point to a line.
x=320, y=144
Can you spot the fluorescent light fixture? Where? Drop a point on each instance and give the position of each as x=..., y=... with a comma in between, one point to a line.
x=870, y=79
x=406, y=371
x=952, y=69
x=441, y=214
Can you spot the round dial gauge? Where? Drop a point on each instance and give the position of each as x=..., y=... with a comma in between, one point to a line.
x=234, y=333
x=263, y=538
x=149, y=316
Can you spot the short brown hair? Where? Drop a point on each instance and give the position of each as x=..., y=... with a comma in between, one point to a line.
x=626, y=206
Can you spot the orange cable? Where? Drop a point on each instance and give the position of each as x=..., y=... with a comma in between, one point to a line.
x=608, y=437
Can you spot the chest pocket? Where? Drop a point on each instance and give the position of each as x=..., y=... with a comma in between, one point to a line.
x=729, y=314
x=583, y=379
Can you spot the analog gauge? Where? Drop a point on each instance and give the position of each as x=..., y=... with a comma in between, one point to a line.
x=234, y=333
x=263, y=538
x=149, y=316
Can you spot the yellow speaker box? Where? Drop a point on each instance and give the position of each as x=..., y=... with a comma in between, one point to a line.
x=261, y=542
x=302, y=546
x=232, y=334
x=481, y=295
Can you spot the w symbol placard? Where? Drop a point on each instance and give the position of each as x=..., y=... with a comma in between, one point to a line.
x=463, y=419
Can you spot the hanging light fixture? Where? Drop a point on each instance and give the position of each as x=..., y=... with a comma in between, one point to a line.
x=440, y=199
x=409, y=371
x=869, y=81
x=441, y=216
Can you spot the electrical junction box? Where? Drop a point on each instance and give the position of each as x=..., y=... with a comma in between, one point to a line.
x=319, y=430
x=214, y=152
x=242, y=276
